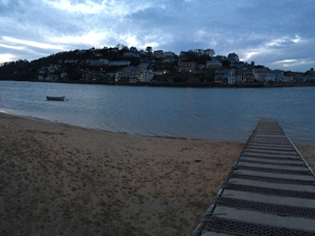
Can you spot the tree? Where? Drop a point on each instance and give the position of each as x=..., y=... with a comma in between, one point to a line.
x=134, y=49
x=252, y=63
x=209, y=52
x=199, y=52
x=149, y=50
x=120, y=46
x=225, y=63
x=125, y=49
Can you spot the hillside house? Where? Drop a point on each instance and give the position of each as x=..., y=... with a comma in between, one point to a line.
x=214, y=63
x=134, y=75
x=99, y=62
x=264, y=75
x=132, y=54
x=189, y=66
x=119, y=63
x=158, y=53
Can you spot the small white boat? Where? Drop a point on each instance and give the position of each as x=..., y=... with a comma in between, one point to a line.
x=55, y=98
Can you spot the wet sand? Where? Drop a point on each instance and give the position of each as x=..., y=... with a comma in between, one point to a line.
x=57, y=179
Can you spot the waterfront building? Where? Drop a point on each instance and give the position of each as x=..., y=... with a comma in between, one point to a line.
x=134, y=74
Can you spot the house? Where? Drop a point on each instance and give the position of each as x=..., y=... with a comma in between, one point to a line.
x=52, y=68
x=279, y=74
x=52, y=78
x=264, y=75
x=158, y=53
x=247, y=76
x=64, y=76
x=220, y=76
x=42, y=71
x=99, y=62
x=134, y=74
x=231, y=77
x=115, y=49
x=119, y=63
x=98, y=54
x=162, y=72
x=142, y=52
x=81, y=52
x=89, y=76
x=149, y=60
x=110, y=76
x=201, y=66
x=133, y=49
x=67, y=61
x=220, y=58
x=169, y=60
x=132, y=54
x=169, y=54
x=189, y=66
x=285, y=79
x=41, y=77
x=226, y=76
x=214, y=63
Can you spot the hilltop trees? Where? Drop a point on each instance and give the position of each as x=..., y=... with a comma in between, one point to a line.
x=198, y=55
x=149, y=50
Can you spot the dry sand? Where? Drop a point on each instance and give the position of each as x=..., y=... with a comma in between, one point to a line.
x=57, y=179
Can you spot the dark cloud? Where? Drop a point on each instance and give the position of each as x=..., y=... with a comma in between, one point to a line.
x=267, y=32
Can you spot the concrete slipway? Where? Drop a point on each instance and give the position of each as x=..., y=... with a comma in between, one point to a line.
x=269, y=191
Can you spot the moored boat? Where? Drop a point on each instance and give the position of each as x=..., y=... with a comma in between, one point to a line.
x=49, y=98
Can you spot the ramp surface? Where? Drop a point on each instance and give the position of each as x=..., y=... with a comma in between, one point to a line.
x=269, y=191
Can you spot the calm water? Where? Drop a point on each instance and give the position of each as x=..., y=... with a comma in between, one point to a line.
x=215, y=114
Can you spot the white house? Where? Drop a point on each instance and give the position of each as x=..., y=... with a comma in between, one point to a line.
x=231, y=76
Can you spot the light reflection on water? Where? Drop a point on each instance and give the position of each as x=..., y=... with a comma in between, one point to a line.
x=216, y=114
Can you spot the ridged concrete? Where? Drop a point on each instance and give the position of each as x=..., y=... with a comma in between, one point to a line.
x=269, y=191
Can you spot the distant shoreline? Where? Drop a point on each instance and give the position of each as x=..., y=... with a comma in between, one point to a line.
x=176, y=85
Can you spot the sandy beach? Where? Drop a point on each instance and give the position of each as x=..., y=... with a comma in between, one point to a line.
x=56, y=179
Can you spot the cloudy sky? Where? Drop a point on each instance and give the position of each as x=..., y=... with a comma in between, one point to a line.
x=279, y=34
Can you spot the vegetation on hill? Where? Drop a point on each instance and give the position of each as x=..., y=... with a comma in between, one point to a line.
x=94, y=66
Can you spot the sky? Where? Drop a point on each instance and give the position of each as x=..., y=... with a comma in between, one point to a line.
x=279, y=34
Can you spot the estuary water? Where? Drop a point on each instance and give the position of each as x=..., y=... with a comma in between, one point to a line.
x=223, y=114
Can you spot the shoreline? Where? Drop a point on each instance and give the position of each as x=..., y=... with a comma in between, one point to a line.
x=58, y=179
x=113, y=132
x=179, y=84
